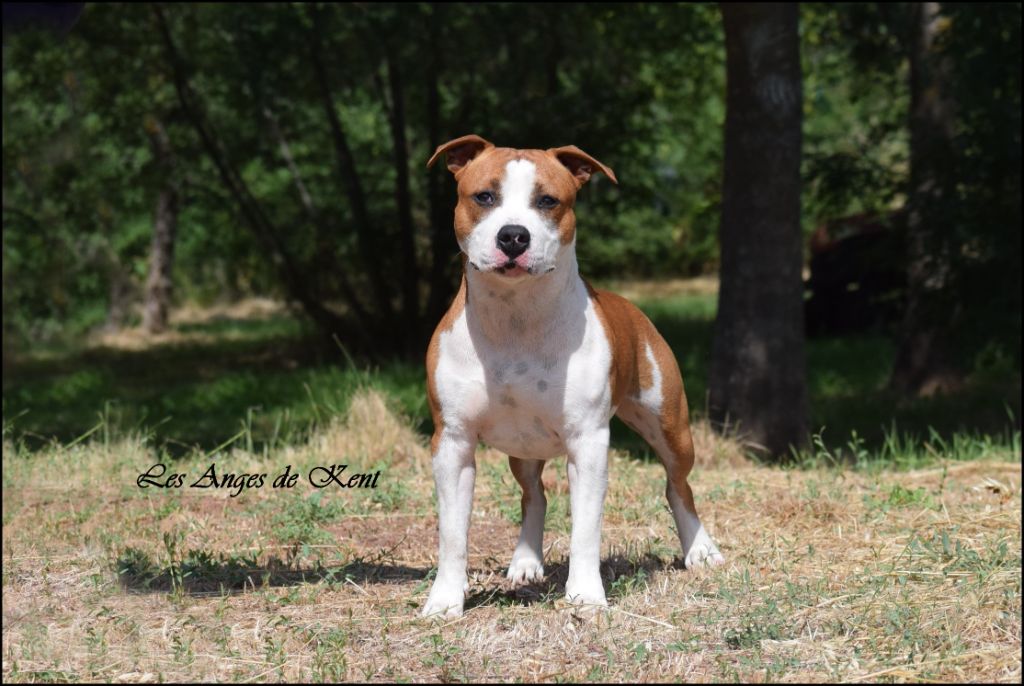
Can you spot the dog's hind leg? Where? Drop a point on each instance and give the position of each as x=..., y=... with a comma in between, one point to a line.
x=659, y=414
x=528, y=559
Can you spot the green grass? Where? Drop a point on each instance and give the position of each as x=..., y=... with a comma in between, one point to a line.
x=832, y=574
x=265, y=379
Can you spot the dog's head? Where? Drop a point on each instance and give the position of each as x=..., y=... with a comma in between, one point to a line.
x=515, y=215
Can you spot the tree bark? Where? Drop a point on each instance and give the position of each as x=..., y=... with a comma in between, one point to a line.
x=757, y=379
x=159, y=283
x=121, y=296
x=922, y=361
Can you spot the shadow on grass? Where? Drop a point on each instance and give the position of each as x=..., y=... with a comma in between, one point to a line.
x=847, y=386
x=621, y=576
x=201, y=573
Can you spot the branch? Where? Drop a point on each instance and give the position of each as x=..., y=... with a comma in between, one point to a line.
x=349, y=174
x=313, y=214
x=256, y=219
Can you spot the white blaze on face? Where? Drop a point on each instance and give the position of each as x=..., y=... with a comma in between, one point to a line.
x=517, y=189
x=515, y=206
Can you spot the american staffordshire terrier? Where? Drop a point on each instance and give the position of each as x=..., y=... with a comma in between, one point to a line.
x=534, y=362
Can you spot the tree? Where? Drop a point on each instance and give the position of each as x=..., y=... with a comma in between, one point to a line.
x=757, y=378
x=300, y=134
x=954, y=73
x=159, y=283
x=963, y=233
x=922, y=362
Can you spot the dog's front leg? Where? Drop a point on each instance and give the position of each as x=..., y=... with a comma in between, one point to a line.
x=588, y=482
x=454, y=473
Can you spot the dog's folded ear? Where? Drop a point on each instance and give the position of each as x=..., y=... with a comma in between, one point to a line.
x=460, y=152
x=580, y=164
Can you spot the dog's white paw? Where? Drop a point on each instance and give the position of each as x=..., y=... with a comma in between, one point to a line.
x=586, y=593
x=525, y=570
x=703, y=554
x=445, y=600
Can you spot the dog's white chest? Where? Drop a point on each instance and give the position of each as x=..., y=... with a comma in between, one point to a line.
x=525, y=395
x=524, y=416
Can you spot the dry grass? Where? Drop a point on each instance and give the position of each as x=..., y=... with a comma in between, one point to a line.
x=645, y=289
x=832, y=576
x=185, y=325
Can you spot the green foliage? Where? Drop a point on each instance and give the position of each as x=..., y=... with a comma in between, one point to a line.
x=641, y=87
x=855, y=133
x=299, y=523
x=984, y=45
x=80, y=183
x=76, y=168
x=975, y=226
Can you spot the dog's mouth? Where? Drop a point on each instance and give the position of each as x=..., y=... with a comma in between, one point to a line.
x=509, y=268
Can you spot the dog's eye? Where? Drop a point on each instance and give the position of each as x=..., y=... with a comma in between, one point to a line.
x=485, y=199
x=546, y=202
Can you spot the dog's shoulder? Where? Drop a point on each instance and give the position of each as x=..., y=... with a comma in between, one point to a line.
x=621, y=319
x=626, y=329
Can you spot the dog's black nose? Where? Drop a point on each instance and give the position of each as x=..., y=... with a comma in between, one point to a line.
x=513, y=240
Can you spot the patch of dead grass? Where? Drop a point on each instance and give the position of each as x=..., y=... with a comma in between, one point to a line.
x=830, y=576
x=370, y=428
x=135, y=338
x=646, y=289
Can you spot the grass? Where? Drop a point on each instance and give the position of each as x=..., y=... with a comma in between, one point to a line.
x=861, y=574
x=252, y=369
x=890, y=550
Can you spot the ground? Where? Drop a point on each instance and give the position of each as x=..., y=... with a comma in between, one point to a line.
x=833, y=574
x=889, y=550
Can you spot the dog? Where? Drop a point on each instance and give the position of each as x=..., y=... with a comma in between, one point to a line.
x=534, y=362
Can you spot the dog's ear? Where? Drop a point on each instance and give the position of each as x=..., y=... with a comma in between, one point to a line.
x=580, y=164
x=460, y=152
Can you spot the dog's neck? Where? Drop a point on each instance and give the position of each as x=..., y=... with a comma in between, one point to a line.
x=509, y=313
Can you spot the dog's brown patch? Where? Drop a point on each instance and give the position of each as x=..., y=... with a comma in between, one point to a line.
x=629, y=332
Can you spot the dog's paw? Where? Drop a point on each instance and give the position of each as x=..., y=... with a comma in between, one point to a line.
x=703, y=554
x=444, y=601
x=525, y=570
x=586, y=593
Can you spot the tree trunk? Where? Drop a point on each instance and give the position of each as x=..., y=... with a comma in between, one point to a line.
x=758, y=379
x=121, y=296
x=324, y=231
x=159, y=284
x=922, y=365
